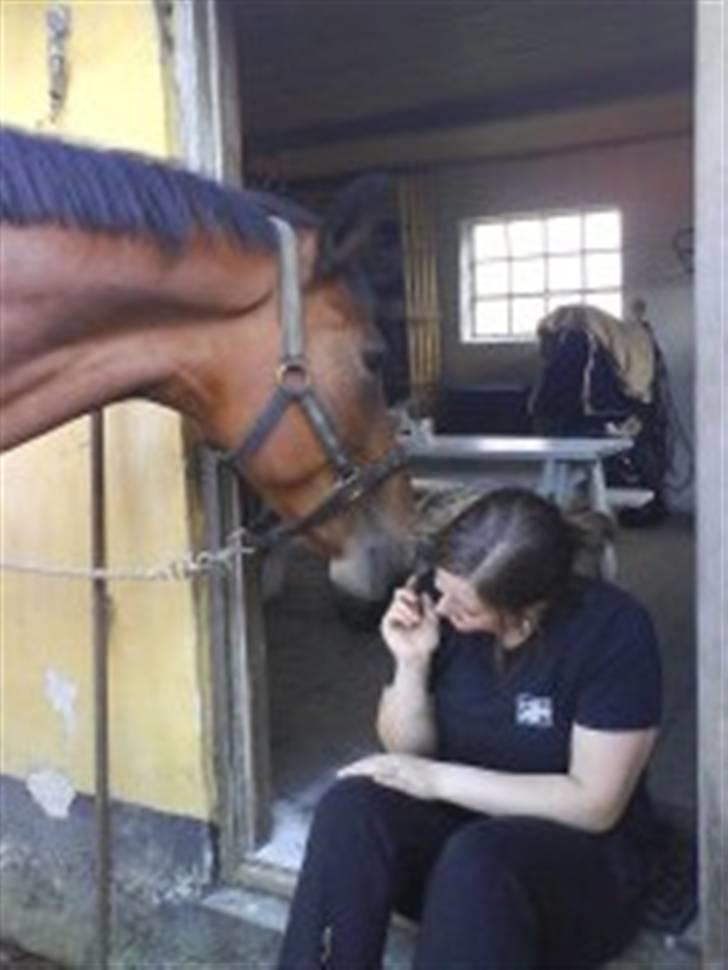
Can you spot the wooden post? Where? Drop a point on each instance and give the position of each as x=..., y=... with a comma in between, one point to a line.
x=204, y=67
x=712, y=478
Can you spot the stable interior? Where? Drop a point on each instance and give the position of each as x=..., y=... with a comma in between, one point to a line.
x=481, y=111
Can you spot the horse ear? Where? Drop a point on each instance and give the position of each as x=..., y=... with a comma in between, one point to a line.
x=349, y=223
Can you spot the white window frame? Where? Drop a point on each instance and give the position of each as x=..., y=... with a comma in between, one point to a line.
x=469, y=298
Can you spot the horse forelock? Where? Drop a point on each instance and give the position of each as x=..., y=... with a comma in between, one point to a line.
x=45, y=180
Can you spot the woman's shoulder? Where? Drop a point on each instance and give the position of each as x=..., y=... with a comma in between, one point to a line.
x=595, y=610
x=598, y=597
x=614, y=656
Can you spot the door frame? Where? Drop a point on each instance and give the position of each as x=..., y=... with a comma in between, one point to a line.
x=199, y=41
x=711, y=399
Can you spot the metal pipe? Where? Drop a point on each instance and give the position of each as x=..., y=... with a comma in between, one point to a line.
x=100, y=618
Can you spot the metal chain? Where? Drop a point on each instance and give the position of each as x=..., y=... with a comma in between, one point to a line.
x=187, y=567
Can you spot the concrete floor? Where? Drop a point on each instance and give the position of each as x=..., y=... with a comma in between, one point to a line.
x=324, y=682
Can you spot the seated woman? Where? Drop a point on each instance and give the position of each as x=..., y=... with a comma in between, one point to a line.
x=509, y=815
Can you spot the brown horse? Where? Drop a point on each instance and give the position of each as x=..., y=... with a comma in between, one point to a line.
x=124, y=277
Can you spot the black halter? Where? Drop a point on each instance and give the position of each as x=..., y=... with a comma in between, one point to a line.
x=293, y=386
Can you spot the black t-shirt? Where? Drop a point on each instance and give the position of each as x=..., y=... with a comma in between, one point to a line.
x=595, y=663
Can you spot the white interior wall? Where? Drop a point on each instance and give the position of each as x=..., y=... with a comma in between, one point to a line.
x=650, y=181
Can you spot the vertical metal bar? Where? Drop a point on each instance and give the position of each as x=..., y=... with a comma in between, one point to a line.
x=599, y=501
x=711, y=423
x=101, y=695
x=248, y=671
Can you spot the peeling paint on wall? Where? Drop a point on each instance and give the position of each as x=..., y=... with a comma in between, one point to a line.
x=52, y=791
x=61, y=693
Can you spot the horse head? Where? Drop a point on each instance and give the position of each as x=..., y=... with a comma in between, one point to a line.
x=128, y=277
x=318, y=445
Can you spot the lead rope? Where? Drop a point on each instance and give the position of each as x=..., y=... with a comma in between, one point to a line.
x=246, y=541
x=188, y=566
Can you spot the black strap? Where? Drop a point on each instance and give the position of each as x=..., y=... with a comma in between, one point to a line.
x=317, y=416
x=323, y=426
x=253, y=438
x=343, y=495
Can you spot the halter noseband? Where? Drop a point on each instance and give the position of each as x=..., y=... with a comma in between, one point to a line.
x=293, y=386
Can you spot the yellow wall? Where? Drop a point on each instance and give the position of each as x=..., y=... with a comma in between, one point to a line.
x=115, y=96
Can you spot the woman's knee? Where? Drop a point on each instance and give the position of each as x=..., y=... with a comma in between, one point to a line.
x=473, y=859
x=515, y=858
x=477, y=912
x=353, y=808
x=350, y=797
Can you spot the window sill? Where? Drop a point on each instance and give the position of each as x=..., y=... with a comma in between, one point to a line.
x=511, y=339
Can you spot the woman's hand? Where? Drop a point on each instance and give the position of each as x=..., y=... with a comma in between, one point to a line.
x=410, y=627
x=407, y=773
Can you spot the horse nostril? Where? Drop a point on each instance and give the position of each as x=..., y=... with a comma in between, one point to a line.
x=373, y=359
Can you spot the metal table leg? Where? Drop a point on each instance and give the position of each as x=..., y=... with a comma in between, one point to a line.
x=600, y=502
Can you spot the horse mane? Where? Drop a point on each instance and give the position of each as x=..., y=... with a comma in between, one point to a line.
x=46, y=180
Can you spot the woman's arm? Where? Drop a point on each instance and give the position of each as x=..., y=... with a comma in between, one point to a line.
x=410, y=629
x=592, y=795
x=604, y=769
x=405, y=721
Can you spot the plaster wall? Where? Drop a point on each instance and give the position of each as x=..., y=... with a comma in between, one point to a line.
x=116, y=96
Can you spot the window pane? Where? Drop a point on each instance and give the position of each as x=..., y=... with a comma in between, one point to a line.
x=491, y=318
x=602, y=230
x=603, y=269
x=527, y=311
x=529, y=276
x=526, y=237
x=610, y=302
x=563, y=234
x=490, y=241
x=564, y=272
x=562, y=299
x=520, y=269
x=491, y=279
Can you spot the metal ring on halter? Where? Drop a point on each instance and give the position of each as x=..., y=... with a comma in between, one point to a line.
x=352, y=485
x=299, y=369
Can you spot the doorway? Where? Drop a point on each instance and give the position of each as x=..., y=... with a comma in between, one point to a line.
x=626, y=128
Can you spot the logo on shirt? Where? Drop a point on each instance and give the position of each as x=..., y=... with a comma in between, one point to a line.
x=533, y=711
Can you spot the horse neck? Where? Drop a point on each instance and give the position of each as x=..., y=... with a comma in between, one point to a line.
x=90, y=319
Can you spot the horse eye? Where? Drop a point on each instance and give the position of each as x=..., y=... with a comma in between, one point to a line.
x=373, y=359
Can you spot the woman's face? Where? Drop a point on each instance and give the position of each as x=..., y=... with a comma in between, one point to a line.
x=462, y=607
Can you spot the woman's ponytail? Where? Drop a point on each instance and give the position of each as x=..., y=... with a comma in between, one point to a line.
x=591, y=531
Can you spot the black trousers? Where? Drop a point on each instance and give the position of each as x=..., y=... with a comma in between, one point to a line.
x=489, y=893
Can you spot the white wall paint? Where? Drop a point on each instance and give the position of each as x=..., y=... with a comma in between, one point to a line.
x=651, y=182
x=62, y=693
x=52, y=791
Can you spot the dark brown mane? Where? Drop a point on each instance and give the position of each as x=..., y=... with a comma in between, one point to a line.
x=46, y=180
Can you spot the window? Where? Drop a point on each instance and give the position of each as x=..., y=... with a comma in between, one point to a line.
x=516, y=270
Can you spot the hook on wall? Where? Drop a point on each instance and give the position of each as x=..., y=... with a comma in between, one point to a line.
x=58, y=29
x=683, y=245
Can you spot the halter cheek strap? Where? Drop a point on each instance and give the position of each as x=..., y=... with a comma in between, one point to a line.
x=293, y=386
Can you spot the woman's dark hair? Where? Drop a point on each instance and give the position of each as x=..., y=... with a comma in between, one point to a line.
x=516, y=548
